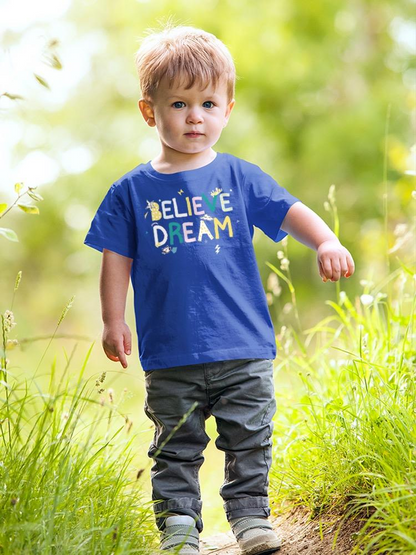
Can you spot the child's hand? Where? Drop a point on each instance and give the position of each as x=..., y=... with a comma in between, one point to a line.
x=334, y=261
x=116, y=341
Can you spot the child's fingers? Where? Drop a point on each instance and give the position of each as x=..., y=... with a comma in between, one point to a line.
x=321, y=272
x=327, y=268
x=127, y=343
x=336, y=269
x=344, y=267
x=351, y=265
x=116, y=354
x=122, y=357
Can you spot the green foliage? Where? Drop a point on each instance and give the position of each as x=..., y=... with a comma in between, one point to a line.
x=66, y=473
x=27, y=208
x=323, y=97
x=314, y=90
x=345, y=432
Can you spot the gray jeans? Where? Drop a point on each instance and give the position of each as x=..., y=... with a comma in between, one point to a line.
x=240, y=395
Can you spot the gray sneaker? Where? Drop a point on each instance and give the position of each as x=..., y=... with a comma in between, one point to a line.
x=180, y=532
x=255, y=535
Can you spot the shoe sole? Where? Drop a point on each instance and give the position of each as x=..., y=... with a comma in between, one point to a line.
x=263, y=548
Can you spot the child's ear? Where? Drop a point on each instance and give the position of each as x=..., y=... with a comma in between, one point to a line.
x=228, y=111
x=147, y=112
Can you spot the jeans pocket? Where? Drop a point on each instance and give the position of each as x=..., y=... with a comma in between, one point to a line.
x=148, y=373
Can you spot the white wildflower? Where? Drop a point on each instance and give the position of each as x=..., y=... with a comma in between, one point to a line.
x=342, y=297
x=365, y=282
x=327, y=206
x=11, y=343
x=414, y=194
x=271, y=281
x=400, y=229
x=331, y=194
x=273, y=284
x=287, y=308
x=400, y=283
x=269, y=297
x=401, y=240
x=282, y=333
x=284, y=265
x=280, y=255
x=366, y=299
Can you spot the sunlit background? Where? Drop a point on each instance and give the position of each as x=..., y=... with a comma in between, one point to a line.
x=325, y=96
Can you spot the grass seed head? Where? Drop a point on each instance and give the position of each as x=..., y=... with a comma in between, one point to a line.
x=111, y=395
x=8, y=321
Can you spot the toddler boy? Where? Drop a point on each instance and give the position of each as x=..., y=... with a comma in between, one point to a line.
x=181, y=227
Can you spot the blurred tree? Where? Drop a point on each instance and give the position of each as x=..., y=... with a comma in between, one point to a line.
x=316, y=84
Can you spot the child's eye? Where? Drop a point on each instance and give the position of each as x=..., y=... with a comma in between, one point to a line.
x=175, y=104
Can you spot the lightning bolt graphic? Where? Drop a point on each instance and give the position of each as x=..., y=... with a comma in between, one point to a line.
x=217, y=248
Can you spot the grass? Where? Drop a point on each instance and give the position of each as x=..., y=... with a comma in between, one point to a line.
x=67, y=484
x=345, y=432
x=344, y=438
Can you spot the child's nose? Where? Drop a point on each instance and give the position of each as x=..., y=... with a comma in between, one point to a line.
x=194, y=116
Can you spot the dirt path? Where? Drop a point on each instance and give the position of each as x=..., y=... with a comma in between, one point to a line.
x=299, y=535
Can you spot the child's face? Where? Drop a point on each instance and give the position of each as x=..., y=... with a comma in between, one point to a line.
x=177, y=112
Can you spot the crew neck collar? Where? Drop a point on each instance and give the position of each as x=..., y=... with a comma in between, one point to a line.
x=187, y=175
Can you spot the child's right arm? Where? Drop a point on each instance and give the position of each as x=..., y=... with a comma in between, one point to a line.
x=114, y=282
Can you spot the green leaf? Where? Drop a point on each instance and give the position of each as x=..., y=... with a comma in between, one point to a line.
x=52, y=43
x=12, y=96
x=53, y=61
x=8, y=234
x=35, y=196
x=42, y=81
x=405, y=268
x=335, y=404
x=3, y=207
x=279, y=273
x=18, y=187
x=29, y=209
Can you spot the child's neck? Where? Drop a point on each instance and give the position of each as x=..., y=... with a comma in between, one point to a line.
x=164, y=163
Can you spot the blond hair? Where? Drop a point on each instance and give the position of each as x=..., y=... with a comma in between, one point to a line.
x=183, y=52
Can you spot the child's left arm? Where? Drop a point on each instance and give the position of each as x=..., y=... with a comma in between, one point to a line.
x=306, y=226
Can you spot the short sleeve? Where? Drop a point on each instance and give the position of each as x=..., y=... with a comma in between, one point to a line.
x=113, y=227
x=267, y=202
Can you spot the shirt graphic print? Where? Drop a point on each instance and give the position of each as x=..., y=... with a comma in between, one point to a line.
x=171, y=219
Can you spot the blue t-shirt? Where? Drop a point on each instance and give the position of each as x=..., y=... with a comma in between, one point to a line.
x=198, y=295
